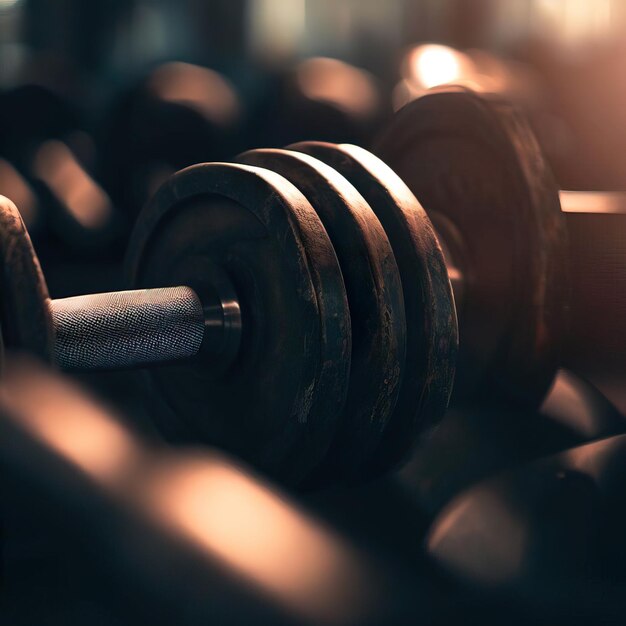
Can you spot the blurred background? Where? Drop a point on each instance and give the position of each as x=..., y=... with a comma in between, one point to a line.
x=102, y=100
x=563, y=58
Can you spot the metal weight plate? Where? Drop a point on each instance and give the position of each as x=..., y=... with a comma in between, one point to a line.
x=432, y=339
x=25, y=320
x=477, y=169
x=375, y=300
x=277, y=402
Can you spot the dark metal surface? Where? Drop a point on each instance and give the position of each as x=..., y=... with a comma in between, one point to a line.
x=472, y=444
x=374, y=293
x=548, y=536
x=477, y=169
x=277, y=404
x=128, y=328
x=432, y=338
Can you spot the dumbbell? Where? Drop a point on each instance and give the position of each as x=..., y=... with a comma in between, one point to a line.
x=538, y=283
x=291, y=348
x=534, y=338
x=175, y=115
x=318, y=97
x=547, y=536
x=47, y=158
x=305, y=354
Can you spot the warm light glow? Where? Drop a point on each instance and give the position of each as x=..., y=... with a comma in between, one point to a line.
x=15, y=187
x=199, y=499
x=260, y=536
x=348, y=88
x=593, y=459
x=403, y=93
x=566, y=404
x=63, y=419
x=593, y=202
x=456, y=539
x=431, y=65
x=492, y=74
x=572, y=22
x=199, y=88
x=56, y=165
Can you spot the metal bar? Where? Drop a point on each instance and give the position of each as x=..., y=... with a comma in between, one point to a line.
x=127, y=328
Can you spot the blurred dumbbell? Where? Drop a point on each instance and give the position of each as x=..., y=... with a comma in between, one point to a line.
x=547, y=536
x=176, y=115
x=166, y=536
x=470, y=444
x=47, y=161
x=320, y=98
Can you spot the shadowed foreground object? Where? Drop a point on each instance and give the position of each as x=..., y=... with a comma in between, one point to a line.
x=548, y=535
x=181, y=536
x=473, y=443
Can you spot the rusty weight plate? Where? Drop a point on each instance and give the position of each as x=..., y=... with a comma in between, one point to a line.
x=432, y=338
x=276, y=405
x=25, y=319
x=375, y=300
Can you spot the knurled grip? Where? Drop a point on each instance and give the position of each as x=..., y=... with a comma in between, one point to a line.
x=126, y=328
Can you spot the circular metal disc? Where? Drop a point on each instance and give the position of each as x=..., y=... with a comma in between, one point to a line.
x=432, y=340
x=477, y=169
x=25, y=319
x=277, y=403
x=374, y=295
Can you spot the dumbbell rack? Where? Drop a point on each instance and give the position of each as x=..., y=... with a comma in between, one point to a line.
x=296, y=308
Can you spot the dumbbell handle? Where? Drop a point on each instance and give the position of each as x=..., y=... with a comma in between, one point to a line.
x=129, y=328
x=596, y=228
